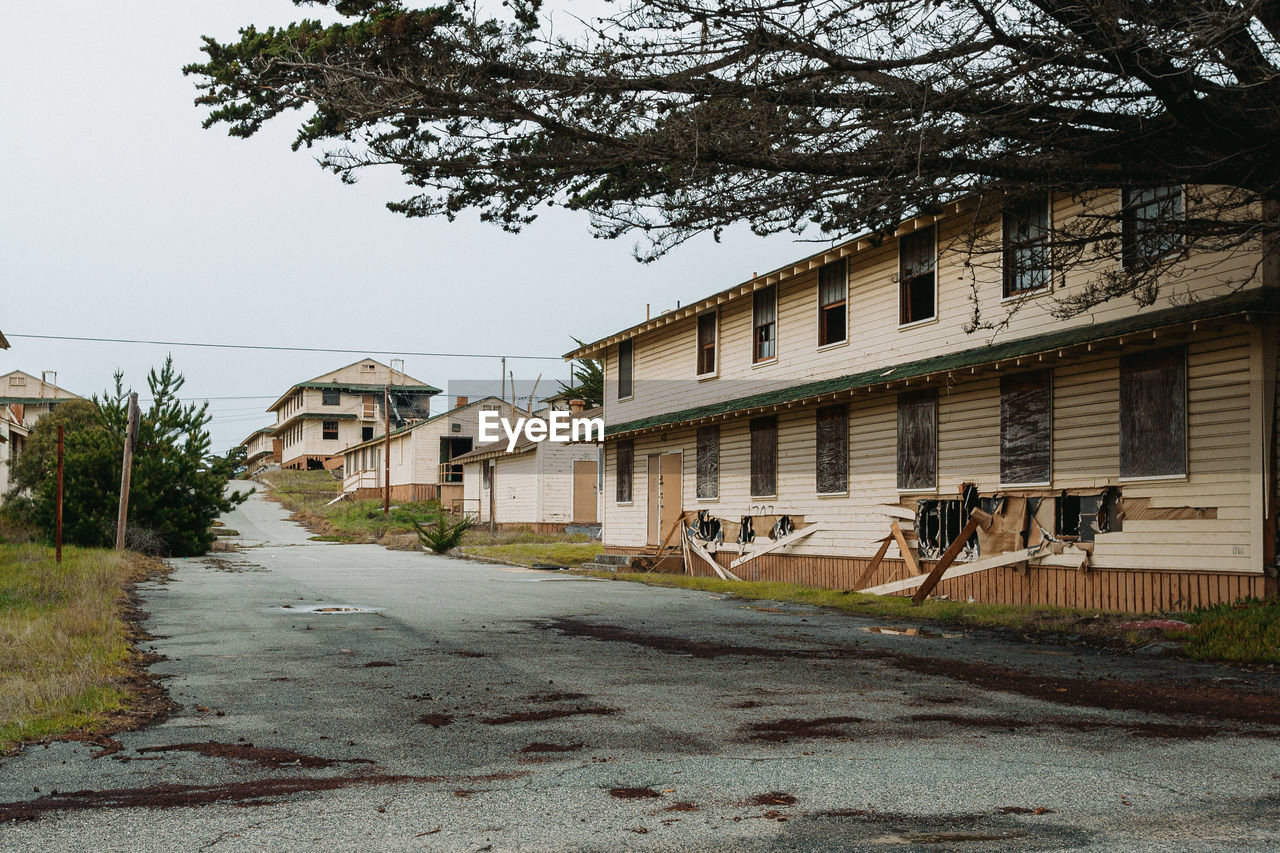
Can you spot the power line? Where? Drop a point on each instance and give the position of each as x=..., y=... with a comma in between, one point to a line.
x=284, y=348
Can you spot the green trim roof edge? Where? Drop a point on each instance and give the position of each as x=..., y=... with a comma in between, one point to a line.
x=1262, y=300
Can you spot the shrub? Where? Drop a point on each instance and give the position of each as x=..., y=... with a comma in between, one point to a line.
x=443, y=535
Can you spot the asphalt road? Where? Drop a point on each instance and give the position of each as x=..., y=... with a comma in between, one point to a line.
x=474, y=707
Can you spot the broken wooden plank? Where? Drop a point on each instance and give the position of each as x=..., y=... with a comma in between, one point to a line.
x=907, y=557
x=948, y=557
x=789, y=539
x=958, y=571
x=723, y=573
x=896, y=512
x=875, y=563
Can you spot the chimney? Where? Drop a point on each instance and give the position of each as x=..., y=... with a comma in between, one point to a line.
x=462, y=401
x=576, y=406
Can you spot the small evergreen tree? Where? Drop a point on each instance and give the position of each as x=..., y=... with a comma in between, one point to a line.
x=177, y=486
x=588, y=380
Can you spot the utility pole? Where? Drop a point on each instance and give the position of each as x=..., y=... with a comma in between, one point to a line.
x=386, y=450
x=126, y=475
x=57, y=508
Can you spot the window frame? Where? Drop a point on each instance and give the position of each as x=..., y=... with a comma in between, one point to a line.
x=902, y=282
x=700, y=347
x=843, y=303
x=756, y=326
x=817, y=448
x=921, y=394
x=751, y=457
x=1129, y=241
x=1183, y=368
x=630, y=345
x=630, y=446
x=324, y=396
x=1009, y=484
x=324, y=430
x=1006, y=293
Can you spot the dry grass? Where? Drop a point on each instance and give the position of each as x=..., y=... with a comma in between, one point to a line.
x=64, y=639
x=568, y=554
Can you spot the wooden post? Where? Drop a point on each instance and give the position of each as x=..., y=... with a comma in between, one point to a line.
x=57, y=508
x=866, y=576
x=977, y=518
x=386, y=452
x=126, y=473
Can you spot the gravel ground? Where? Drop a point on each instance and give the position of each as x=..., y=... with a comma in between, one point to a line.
x=476, y=707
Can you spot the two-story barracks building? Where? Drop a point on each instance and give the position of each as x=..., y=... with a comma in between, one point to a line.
x=844, y=391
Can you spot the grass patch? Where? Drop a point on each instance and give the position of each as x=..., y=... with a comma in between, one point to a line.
x=1242, y=632
x=571, y=554
x=65, y=647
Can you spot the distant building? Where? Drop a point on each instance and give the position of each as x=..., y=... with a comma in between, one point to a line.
x=24, y=399
x=261, y=449
x=318, y=419
x=423, y=456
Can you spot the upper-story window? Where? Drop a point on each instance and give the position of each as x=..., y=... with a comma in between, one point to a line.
x=764, y=322
x=707, y=344
x=329, y=430
x=917, y=278
x=331, y=397
x=1145, y=214
x=626, y=367
x=833, y=295
x=1026, y=245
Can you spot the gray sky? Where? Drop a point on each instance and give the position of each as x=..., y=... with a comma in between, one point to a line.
x=122, y=218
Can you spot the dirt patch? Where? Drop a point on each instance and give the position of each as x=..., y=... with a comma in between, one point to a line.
x=259, y=792
x=435, y=720
x=1149, y=730
x=374, y=663
x=1163, y=697
x=633, y=793
x=783, y=730
x=1024, y=810
x=548, y=714
x=773, y=798
x=264, y=756
x=539, y=746
x=463, y=653
x=895, y=819
x=682, y=806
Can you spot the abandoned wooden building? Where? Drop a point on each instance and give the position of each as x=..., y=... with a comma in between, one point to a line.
x=316, y=420
x=24, y=400
x=543, y=485
x=832, y=422
x=261, y=449
x=424, y=456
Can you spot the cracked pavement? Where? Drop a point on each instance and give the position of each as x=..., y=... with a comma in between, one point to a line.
x=476, y=707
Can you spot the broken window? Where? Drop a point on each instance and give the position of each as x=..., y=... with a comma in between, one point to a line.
x=624, y=459
x=1153, y=413
x=1026, y=245
x=1026, y=413
x=1147, y=232
x=939, y=522
x=918, y=440
x=833, y=292
x=329, y=430
x=625, y=364
x=330, y=397
x=833, y=449
x=707, y=344
x=765, y=323
x=366, y=433
x=709, y=462
x=917, y=262
x=764, y=456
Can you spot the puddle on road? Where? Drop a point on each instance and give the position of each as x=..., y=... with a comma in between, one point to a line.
x=911, y=632
x=324, y=609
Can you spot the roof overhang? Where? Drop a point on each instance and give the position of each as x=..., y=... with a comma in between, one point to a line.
x=354, y=388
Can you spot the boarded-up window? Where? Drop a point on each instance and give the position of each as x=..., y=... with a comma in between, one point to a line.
x=1026, y=245
x=624, y=459
x=918, y=440
x=1026, y=414
x=625, y=365
x=764, y=312
x=833, y=290
x=833, y=449
x=707, y=344
x=764, y=457
x=709, y=462
x=1153, y=413
x=329, y=430
x=917, y=260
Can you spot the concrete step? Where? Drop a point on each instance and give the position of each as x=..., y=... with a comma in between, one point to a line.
x=614, y=559
x=601, y=567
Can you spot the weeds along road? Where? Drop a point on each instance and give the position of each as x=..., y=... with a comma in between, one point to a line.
x=476, y=708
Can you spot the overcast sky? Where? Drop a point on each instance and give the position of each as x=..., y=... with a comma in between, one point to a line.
x=122, y=218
